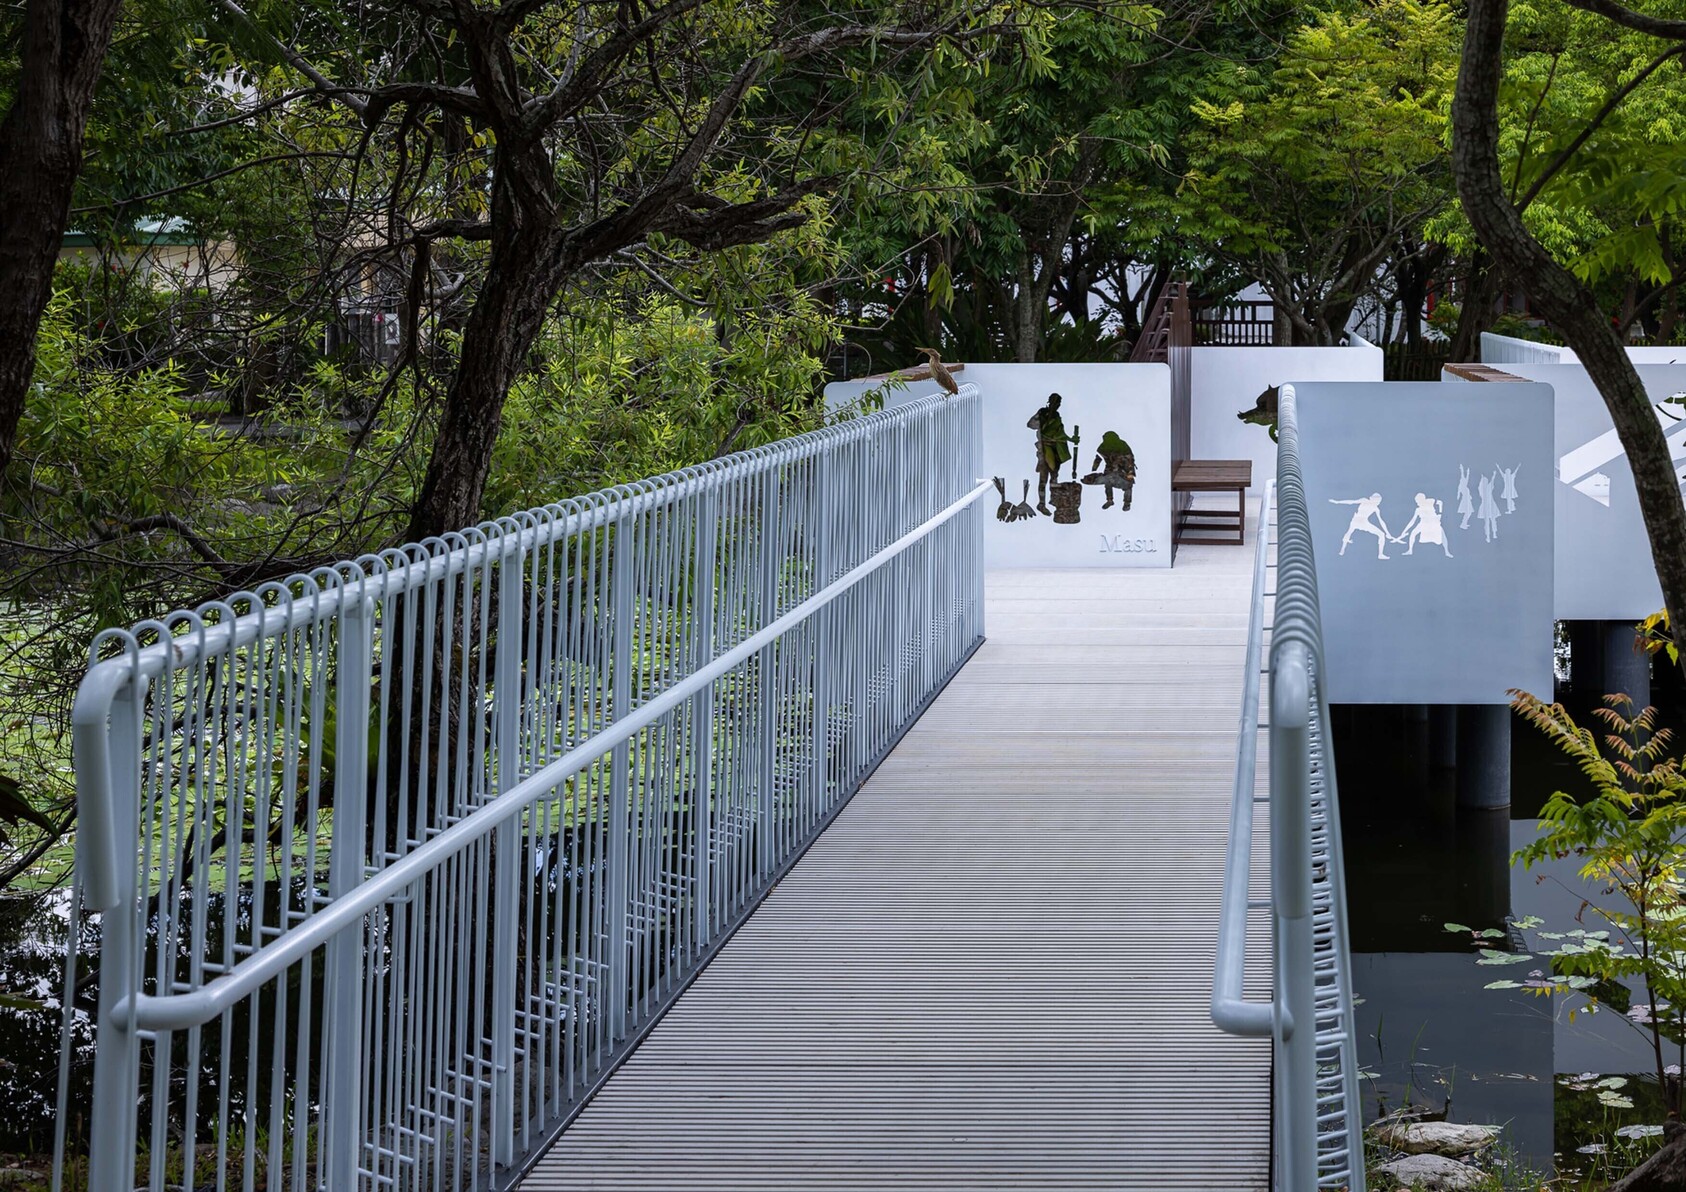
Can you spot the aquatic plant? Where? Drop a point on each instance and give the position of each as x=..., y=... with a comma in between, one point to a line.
x=1627, y=839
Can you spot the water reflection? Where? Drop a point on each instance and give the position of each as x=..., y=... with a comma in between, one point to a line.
x=1428, y=1030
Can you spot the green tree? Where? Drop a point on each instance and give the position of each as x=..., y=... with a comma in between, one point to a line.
x=538, y=140
x=1309, y=174
x=1497, y=213
x=1041, y=223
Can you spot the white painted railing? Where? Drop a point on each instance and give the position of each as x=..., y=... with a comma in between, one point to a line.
x=396, y=860
x=1318, y=1134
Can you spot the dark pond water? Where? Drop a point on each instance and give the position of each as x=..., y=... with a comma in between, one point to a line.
x=1430, y=1034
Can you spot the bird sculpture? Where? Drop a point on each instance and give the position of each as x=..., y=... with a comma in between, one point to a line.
x=944, y=378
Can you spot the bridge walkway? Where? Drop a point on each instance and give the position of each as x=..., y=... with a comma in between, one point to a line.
x=992, y=970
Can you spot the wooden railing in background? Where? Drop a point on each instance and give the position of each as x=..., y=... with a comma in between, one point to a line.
x=1166, y=338
x=1235, y=323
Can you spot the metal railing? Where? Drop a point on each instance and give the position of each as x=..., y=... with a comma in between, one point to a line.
x=396, y=860
x=1318, y=1126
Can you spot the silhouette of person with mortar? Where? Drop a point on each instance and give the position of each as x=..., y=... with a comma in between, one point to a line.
x=1053, y=447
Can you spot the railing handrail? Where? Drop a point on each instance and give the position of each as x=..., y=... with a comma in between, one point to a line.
x=1231, y=1011
x=436, y=835
x=370, y=576
x=183, y=1010
x=1317, y=1128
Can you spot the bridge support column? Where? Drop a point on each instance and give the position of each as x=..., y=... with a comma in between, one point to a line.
x=1622, y=668
x=1442, y=736
x=1417, y=734
x=1483, y=852
x=1483, y=745
x=1585, y=666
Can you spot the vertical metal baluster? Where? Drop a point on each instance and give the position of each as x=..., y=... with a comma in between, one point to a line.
x=704, y=578
x=505, y=860
x=111, y=1162
x=823, y=641
x=342, y=1101
x=618, y=892
x=771, y=541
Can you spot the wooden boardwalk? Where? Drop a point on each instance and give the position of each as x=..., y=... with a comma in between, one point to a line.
x=992, y=971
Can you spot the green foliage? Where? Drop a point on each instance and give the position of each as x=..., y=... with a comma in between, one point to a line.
x=1031, y=187
x=1611, y=181
x=1655, y=636
x=1307, y=172
x=131, y=498
x=633, y=382
x=1628, y=839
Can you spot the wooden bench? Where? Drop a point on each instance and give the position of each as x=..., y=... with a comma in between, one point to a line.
x=1212, y=476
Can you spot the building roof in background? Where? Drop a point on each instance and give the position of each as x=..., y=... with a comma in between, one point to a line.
x=170, y=229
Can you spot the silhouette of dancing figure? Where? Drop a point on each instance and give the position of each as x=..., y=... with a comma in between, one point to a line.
x=1489, y=512
x=1465, y=505
x=1508, y=495
x=1368, y=507
x=1425, y=526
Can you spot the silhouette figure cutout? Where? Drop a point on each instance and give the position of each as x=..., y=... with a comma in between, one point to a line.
x=1368, y=507
x=1489, y=512
x=1425, y=526
x=1508, y=494
x=1053, y=448
x=1466, y=506
x=1119, y=469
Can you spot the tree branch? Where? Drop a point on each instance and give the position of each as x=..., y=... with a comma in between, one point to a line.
x=706, y=222
x=197, y=182
x=1637, y=21
x=295, y=59
x=462, y=100
x=169, y=521
x=1604, y=113
x=455, y=229
x=576, y=88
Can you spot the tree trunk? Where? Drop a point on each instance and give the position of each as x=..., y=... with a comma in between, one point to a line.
x=1332, y=317
x=64, y=45
x=1414, y=274
x=1669, y=318
x=1040, y=264
x=508, y=314
x=1475, y=312
x=1028, y=315
x=1567, y=304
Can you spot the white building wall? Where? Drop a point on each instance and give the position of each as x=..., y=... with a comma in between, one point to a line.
x=1507, y=349
x=1228, y=382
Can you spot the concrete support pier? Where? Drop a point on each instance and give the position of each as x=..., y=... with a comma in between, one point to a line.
x=1623, y=668
x=1483, y=756
x=1443, y=736
x=1484, y=857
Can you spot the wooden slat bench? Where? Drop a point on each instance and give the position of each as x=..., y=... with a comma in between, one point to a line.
x=1208, y=476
